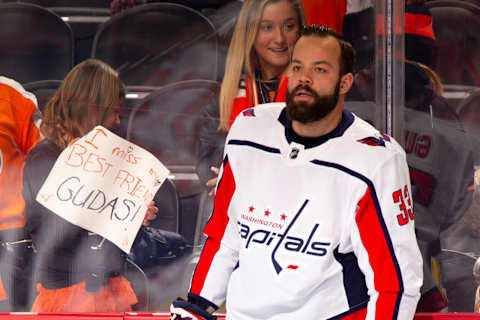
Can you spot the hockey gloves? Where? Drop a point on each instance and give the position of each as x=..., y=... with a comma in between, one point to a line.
x=183, y=310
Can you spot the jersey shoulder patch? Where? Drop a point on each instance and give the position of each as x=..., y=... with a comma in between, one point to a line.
x=249, y=113
x=379, y=141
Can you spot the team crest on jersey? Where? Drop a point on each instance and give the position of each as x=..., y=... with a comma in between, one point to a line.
x=376, y=141
x=249, y=113
x=281, y=240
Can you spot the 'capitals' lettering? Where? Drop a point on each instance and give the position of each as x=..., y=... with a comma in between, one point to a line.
x=300, y=244
x=291, y=243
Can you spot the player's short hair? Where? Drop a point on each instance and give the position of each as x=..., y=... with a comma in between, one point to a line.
x=347, y=53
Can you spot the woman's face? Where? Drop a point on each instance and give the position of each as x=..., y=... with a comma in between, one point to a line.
x=277, y=32
x=112, y=120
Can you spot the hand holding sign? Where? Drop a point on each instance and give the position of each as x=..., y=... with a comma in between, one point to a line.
x=151, y=213
x=104, y=184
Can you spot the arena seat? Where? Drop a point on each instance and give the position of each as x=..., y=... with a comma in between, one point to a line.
x=167, y=121
x=457, y=279
x=84, y=21
x=43, y=90
x=456, y=24
x=157, y=44
x=469, y=109
x=469, y=114
x=35, y=43
x=167, y=202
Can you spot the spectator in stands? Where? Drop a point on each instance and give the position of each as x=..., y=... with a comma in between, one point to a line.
x=419, y=36
x=419, y=42
x=359, y=29
x=258, y=55
x=76, y=270
x=442, y=172
x=19, y=117
x=431, y=117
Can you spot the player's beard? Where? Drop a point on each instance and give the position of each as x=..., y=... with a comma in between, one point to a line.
x=305, y=112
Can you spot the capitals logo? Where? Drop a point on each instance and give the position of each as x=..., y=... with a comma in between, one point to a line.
x=376, y=141
x=285, y=241
x=249, y=113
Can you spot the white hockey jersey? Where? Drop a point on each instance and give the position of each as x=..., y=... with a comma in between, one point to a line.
x=317, y=231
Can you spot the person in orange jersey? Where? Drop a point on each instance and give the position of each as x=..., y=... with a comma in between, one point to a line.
x=19, y=117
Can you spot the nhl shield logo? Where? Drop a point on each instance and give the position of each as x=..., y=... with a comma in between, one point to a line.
x=294, y=153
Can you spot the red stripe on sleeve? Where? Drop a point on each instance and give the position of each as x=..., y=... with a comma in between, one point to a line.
x=374, y=239
x=215, y=228
x=358, y=315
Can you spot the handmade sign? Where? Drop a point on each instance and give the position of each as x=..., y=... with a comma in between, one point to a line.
x=103, y=183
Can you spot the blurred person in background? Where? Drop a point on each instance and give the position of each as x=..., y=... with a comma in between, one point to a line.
x=441, y=171
x=19, y=117
x=439, y=159
x=76, y=270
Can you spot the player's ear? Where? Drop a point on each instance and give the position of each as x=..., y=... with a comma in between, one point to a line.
x=346, y=83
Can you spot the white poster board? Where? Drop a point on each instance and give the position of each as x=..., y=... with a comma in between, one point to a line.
x=103, y=183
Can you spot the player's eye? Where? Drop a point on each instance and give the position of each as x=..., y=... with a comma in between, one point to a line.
x=296, y=68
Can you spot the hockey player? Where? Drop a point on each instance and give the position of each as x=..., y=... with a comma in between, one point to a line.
x=313, y=215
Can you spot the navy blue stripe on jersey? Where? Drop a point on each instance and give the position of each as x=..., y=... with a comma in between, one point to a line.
x=290, y=135
x=254, y=145
x=380, y=219
x=276, y=265
x=353, y=279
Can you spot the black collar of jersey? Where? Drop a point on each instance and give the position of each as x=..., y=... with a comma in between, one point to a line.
x=290, y=135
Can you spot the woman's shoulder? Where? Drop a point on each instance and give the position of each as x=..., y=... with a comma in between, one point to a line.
x=45, y=153
x=44, y=148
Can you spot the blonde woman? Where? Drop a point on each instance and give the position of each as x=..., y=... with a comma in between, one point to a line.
x=74, y=273
x=258, y=55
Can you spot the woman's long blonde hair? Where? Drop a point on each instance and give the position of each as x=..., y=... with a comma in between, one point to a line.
x=85, y=98
x=240, y=53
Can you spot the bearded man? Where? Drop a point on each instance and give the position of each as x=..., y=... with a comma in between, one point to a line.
x=313, y=213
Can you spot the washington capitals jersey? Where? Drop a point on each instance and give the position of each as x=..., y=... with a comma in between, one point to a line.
x=315, y=229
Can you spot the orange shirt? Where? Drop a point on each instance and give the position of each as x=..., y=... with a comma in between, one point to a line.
x=328, y=13
x=247, y=96
x=18, y=133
